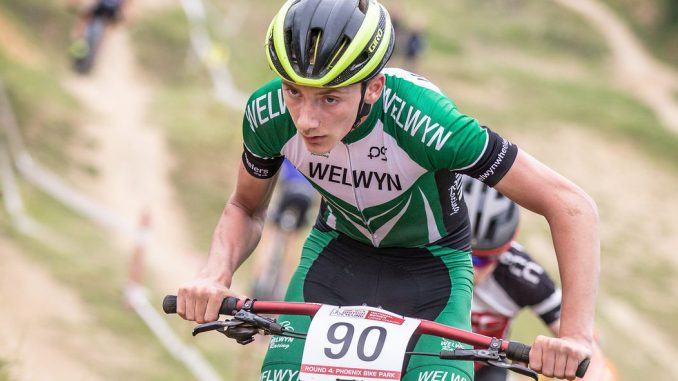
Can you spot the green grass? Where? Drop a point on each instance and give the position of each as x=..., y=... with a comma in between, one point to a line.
x=166, y=53
x=51, y=129
x=4, y=370
x=45, y=23
x=46, y=113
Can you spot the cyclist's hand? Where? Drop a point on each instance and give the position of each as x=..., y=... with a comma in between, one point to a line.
x=558, y=357
x=200, y=300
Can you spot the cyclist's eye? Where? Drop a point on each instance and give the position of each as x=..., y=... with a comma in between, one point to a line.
x=331, y=100
x=292, y=92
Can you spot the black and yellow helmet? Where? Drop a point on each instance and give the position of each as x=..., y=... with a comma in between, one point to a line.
x=329, y=43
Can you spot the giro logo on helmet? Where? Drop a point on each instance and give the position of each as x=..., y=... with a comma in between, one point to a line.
x=375, y=42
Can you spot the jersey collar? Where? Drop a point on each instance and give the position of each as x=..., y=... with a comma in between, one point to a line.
x=367, y=126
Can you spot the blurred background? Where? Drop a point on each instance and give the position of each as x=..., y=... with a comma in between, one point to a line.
x=113, y=177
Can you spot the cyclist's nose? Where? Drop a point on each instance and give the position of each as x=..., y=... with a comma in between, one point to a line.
x=308, y=117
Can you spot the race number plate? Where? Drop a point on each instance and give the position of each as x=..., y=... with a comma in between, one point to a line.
x=356, y=343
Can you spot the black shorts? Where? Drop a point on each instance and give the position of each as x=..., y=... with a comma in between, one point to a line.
x=429, y=282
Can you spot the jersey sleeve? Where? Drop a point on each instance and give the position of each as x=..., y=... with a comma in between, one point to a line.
x=266, y=127
x=438, y=136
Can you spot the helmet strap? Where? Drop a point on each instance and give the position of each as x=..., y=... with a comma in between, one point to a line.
x=363, y=108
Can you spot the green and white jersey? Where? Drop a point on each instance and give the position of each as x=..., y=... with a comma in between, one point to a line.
x=393, y=182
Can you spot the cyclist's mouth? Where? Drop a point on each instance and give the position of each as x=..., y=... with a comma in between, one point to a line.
x=314, y=139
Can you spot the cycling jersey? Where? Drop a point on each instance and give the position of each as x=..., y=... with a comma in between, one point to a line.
x=393, y=182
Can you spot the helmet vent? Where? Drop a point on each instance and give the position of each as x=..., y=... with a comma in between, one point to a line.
x=340, y=52
x=316, y=35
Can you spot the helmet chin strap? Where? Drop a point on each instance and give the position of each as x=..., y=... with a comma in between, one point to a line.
x=363, y=108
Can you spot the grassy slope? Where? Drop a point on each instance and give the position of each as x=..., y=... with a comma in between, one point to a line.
x=520, y=66
x=90, y=265
x=649, y=19
x=34, y=87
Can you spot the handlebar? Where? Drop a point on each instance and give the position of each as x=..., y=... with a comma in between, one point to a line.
x=514, y=350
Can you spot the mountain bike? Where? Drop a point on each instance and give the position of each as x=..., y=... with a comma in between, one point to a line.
x=331, y=353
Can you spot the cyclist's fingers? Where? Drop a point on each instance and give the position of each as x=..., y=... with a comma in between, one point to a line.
x=536, y=354
x=181, y=303
x=200, y=308
x=571, y=367
x=548, y=362
x=561, y=359
x=190, y=306
x=213, y=306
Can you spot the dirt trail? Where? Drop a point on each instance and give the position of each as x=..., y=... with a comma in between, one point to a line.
x=132, y=159
x=654, y=83
x=33, y=333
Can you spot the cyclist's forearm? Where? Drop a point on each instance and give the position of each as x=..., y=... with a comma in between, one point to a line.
x=573, y=219
x=234, y=239
x=574, y=226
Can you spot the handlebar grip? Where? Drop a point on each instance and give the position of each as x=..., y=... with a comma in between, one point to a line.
x=518, y=351
x=228, y=306
x=521, y=352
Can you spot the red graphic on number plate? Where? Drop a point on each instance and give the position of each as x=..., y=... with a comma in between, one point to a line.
x=386, y=318
x=354, y=372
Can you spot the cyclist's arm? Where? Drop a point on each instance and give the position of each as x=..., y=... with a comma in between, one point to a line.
x=240, y=225
x=235, y=237
x=573, y=219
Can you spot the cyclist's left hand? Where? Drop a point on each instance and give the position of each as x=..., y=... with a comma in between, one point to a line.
x=559, y=357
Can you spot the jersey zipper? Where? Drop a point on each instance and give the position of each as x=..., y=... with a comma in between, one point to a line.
x=373, y=239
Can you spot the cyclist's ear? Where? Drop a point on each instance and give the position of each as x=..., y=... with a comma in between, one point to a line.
x=374, y=88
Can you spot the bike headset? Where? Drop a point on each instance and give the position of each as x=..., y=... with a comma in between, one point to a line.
x=330, y=44
x=494, y=220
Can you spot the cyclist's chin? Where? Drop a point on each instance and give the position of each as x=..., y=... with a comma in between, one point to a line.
x=320, y=146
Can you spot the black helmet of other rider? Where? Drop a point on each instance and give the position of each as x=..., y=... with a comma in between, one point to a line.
x=494, y=218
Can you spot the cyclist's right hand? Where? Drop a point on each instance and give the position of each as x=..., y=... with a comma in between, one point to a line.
x=200, y=299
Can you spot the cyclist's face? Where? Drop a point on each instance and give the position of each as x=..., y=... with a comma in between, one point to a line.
x=324, y=116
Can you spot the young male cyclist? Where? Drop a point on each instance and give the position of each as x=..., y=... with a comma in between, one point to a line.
x=507, y=279
x=385, y=148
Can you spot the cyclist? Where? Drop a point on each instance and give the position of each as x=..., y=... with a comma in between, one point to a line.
x=275, y=262
x=385, y=149
x=506, y=278
x=110, y=10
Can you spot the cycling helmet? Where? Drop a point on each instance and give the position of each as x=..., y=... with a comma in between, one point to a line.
x=494, y=218
x=329, y=43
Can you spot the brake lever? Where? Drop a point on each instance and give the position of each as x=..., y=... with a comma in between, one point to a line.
x=515, y=368
x=214, y=326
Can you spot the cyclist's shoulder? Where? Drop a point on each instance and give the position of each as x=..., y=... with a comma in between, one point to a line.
x=267, y=125
x=401, y=79
x=266, y=106
x=422, y=119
